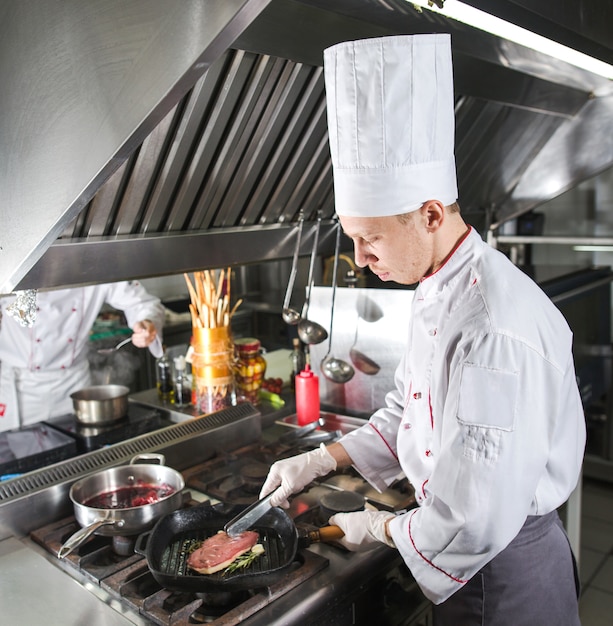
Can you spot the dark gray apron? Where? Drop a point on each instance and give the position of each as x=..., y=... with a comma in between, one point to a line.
x=532, y=582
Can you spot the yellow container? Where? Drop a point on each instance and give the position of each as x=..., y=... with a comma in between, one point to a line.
x=212, y=368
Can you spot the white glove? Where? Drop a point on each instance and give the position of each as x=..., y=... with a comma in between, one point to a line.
x=364, y=530
x=294, y=474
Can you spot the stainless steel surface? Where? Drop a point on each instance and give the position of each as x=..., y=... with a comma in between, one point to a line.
x=207, y=120
x=247, y=518
x=100, y=77
x=335, y=369
x=33, y=590
x=369, y=311
x=100, y=404
x=383, y=341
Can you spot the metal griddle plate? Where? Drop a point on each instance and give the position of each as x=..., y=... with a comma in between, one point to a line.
x=172, y=539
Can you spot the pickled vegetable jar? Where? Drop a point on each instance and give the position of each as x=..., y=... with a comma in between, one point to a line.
x=249, y=369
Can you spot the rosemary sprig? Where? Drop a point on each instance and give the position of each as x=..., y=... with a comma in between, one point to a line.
x=244, y=560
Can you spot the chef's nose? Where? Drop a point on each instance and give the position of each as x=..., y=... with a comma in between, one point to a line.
x=361, y=257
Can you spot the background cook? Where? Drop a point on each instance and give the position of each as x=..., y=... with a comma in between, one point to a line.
x=42, y=364
x=485, y=418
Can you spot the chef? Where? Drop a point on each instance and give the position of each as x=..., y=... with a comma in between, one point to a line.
x=44, y=359
x=485, y=418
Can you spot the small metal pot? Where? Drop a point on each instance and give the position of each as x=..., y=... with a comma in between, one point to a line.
x=126, y=521
x=100, y=404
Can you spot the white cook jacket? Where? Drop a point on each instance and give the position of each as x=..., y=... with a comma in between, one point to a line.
x=42, y=365
x=485, y=421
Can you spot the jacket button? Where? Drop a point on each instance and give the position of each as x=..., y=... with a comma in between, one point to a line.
x=432, y=332
x=407, y=426
x=428, y=452
x=417, y=395
x=70, y=340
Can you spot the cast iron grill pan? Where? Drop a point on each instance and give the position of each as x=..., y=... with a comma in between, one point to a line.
x=168, y=545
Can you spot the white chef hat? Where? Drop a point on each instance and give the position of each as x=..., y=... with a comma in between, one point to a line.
x=391, y=123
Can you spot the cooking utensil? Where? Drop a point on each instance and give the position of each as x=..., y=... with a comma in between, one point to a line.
x=289, y=315
x=247, y=518
x=369, y=311
x=122, y=521
x=111, y=350
x=333, y=368
x=311, y=332
x=100, y=404
x=175, y=535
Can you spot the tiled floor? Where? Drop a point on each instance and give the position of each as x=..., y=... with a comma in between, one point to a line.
x=596, y=559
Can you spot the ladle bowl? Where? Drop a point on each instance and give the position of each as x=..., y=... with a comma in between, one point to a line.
x=363, y=363
x=333, y=368
x=336, y=370
x=311, y=332
x=290, y=316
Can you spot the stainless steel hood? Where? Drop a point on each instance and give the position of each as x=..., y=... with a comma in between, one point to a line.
x=145, y=138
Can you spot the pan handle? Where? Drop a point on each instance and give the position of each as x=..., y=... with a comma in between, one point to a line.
x=74, y=541
x=326, y=533
x=160, y=458
x=140, y=547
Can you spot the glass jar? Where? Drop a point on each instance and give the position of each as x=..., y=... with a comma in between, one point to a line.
x=249, y=369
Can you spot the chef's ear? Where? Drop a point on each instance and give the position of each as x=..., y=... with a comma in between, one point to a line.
x=434, y=213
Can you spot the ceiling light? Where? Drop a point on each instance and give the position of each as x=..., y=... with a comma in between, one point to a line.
x=466, y=14
x=593, y=248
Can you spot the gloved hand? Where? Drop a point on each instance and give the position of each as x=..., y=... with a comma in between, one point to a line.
x=294, y=474
x=364, y=530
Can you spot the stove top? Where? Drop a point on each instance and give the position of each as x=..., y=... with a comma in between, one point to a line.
x=323, y=578
x=139, y=420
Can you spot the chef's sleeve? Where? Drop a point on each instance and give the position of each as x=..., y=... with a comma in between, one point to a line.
x=372, y=447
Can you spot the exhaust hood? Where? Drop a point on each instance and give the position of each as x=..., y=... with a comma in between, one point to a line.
x=146, y=138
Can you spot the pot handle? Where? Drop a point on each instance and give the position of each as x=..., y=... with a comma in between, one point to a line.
x=160, y=458
x=140, y=547
x=74, y=541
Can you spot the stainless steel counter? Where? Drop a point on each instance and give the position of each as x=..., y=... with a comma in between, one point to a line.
x=34, y=591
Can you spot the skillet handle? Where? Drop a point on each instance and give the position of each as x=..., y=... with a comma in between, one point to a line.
x=326, y=533
x=75, y=540
x=140, y=547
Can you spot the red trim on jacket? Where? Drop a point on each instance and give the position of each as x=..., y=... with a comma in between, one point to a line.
x=384, y=441
x=454, y=578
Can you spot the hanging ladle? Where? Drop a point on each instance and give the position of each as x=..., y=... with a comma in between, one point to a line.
x=334, y=369
x=369, y=311
x=311, y=332
x=291, y=316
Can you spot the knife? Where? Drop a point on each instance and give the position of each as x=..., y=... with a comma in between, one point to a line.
x=247, y=518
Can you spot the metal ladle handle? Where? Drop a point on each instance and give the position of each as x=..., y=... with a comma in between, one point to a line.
x=294, y=270
x=305, y=308
x=334, y=270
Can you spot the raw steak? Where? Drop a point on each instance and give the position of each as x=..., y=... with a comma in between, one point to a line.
x=218, y=551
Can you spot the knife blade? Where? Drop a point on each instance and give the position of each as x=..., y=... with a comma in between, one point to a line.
x=247, y=518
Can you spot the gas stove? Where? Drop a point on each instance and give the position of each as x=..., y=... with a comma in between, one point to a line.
x=325, y=583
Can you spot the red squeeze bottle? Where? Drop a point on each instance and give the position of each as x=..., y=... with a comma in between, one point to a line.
x=307, y=396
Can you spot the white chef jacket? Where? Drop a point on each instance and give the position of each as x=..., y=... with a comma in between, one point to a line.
x=486, y=419
x=41, y=365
